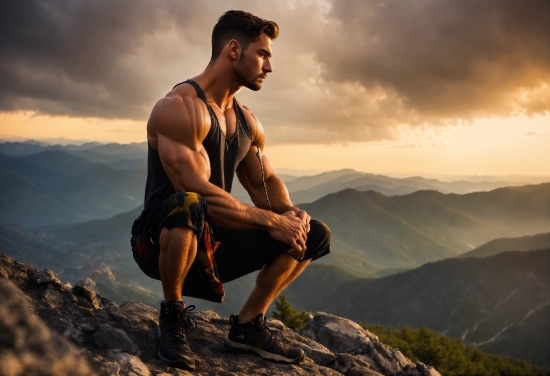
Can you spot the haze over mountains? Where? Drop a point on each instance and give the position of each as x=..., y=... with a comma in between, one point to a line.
x=70, y=208
x=55, y=184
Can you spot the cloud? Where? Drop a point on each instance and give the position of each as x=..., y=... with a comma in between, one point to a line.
x=344, y=71
x=87, y=58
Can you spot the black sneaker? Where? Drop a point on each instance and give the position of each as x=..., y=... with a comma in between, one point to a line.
x=174, y=321
x=255, y=336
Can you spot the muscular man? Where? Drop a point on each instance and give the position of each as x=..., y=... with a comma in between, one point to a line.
x=192, y=234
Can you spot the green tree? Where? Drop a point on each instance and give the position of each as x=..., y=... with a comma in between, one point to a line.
x=289, y=316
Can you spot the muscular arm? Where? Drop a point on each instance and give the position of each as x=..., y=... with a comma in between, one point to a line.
x=177, y=127
x=249, y=173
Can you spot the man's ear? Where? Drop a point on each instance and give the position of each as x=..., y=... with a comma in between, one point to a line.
x=234, y=49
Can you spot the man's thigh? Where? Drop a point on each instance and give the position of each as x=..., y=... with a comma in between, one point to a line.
x=244, y=251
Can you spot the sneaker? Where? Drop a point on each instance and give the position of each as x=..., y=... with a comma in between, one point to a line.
x=174, y=321
x=255, y=336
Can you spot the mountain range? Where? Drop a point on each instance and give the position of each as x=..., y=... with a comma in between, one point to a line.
x=26, y=167
x=70, y=208
x=56, y=187
x=500, y=303
x=372, y=232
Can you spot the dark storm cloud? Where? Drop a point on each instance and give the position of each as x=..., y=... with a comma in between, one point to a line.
x=445, y=58
x=71, y=57
x=344, y=71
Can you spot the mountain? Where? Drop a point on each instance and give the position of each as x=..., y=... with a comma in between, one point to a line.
x=500, y=304
x=31, y=247
x=372, y=231
x=118, y=156
x=20, y=149
x=310, y=188
x=525, y=243
x=56, y=187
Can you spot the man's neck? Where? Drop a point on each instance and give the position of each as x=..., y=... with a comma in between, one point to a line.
x=218, y=85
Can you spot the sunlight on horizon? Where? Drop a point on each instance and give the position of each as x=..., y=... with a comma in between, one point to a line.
x=517, y=145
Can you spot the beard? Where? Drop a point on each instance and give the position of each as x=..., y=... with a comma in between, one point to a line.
x=245, y=77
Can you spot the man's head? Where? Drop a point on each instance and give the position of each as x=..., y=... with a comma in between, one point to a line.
x=242, y=26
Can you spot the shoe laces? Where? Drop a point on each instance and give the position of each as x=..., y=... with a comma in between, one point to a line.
x=181, y=321
x=264, y=329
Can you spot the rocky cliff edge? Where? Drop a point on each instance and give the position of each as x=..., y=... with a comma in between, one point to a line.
x=52, y=328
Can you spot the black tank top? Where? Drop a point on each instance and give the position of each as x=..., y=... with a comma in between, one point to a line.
x=224, y=153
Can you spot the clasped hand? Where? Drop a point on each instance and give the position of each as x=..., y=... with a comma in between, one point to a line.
x=292, y=229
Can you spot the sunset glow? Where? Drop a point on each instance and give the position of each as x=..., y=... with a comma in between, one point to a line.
x=359, y=88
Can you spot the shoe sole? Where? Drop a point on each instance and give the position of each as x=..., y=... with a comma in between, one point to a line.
x=181, y=364
x=242, y=348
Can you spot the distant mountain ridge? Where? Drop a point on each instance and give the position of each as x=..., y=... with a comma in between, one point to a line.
x=303, y=189
x=524, y=243
x=55, y=187
x=500, y=303
x=372, y=231
x=309, y=189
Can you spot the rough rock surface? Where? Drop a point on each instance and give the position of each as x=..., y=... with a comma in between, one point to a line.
x=74, y=331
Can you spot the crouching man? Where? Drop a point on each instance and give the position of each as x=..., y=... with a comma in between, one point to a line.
x=192, y=234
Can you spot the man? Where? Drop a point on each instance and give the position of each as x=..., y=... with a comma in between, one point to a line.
x=192, y=234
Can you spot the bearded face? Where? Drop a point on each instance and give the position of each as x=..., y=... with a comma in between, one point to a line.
x=253, y=65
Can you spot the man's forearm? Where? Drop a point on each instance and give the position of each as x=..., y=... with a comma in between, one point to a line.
x=278, y=196
x=228, y=212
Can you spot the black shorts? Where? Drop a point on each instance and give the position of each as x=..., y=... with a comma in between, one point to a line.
x=223, y=254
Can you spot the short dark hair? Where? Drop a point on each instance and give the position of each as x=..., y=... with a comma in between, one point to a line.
x=242, y=26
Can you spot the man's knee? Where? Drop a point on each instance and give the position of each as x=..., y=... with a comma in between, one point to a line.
x=318, y=239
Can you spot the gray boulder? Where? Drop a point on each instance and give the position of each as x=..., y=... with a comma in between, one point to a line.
x=28, y=346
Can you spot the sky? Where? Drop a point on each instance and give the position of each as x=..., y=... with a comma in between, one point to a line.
x=407, y=87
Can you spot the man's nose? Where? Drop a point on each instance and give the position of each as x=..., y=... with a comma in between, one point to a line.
x=267, y=66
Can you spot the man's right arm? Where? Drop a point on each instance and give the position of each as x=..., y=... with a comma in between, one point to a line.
x=179, y=125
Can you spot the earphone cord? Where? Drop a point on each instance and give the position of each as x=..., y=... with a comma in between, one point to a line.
x=263, y=177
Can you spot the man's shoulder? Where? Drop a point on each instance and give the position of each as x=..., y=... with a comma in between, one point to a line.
x=181, y=106
x=182, y=97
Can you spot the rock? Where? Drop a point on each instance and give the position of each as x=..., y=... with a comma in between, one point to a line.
x=86, y=325
x=75, y=335
x=129, y=364
x=426, y=370
x=356, y=364
x=410, y=371
x=87, y=282
x=111, y=339
x=66, y=287
x=52, y=297
x=45, y=276
x=114, y=338
x=390, y=361
x=338, y=334
x=3, y=273
x=360, y=371
x=86, y=297
x=27, y=346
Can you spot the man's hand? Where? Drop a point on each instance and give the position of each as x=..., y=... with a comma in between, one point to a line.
x=291, y=230
x=304, y=217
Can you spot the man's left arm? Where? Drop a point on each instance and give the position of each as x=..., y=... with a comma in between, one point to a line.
x=250, y=174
